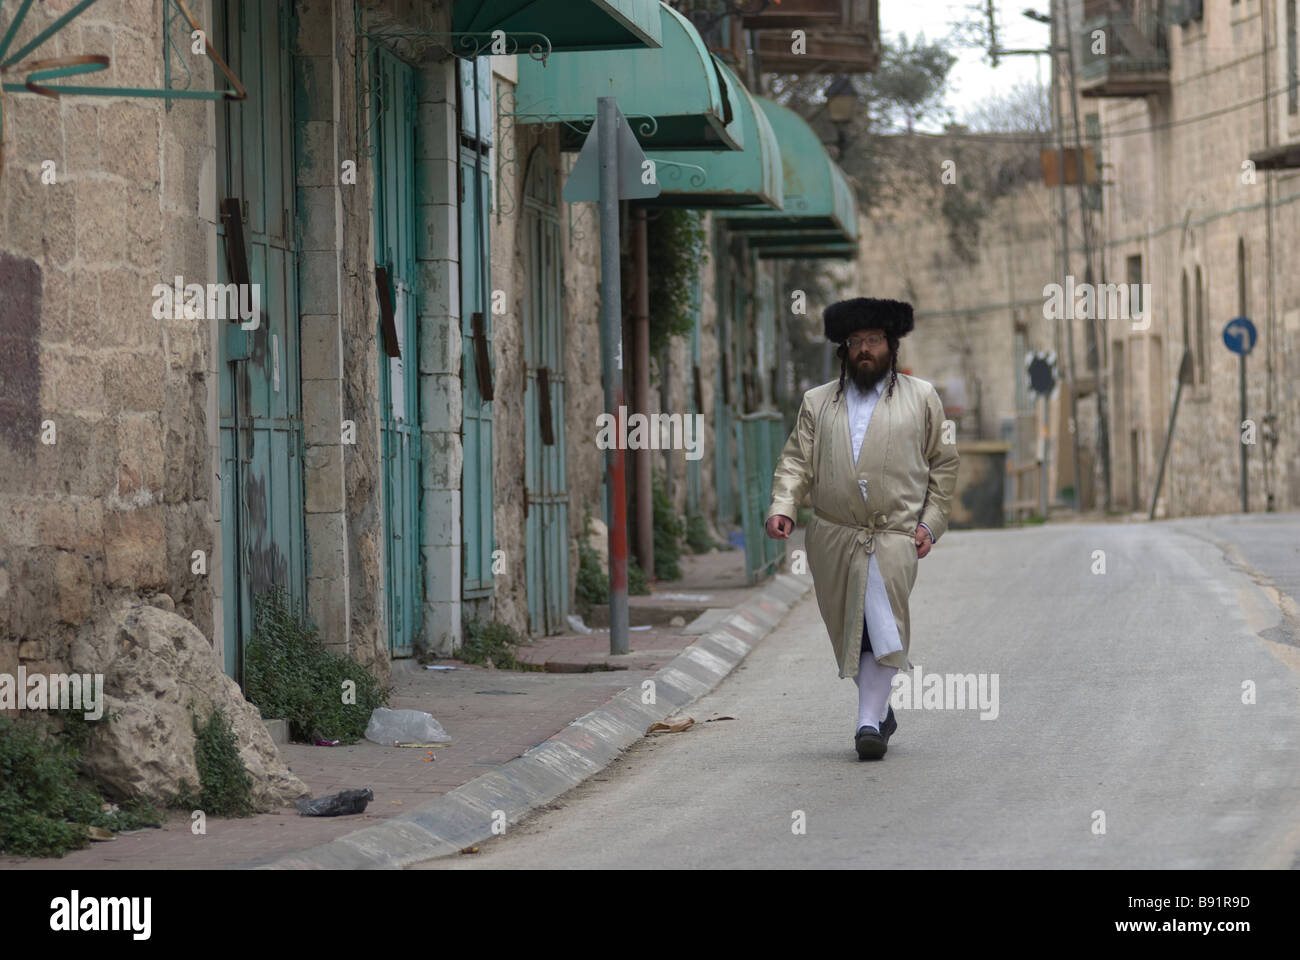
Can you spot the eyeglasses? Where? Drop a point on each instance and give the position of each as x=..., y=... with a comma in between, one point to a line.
x=873, y=340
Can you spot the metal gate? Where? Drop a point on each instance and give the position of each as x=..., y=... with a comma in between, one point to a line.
x=759, y=441
x=260, y=402
x=394, y=109
x=546, y=497
x=476, y=327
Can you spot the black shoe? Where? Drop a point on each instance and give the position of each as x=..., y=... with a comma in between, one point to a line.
x=869, y=743
x=889, y=726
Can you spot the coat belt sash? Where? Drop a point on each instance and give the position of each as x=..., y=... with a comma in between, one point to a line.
x=867, y=537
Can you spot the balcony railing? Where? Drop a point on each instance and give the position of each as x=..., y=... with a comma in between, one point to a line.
x=1125, y=54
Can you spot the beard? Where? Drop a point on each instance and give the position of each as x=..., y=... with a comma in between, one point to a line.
x=869, y=371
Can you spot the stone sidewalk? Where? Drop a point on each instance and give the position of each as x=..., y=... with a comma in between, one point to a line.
x=493, y=717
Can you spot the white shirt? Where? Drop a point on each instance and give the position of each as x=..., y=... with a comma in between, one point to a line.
x=876, y=608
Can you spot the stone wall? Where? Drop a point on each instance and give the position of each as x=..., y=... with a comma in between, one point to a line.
x=441, y=347
x=585, y=463
x=1182, y=198
x=105, y=486
x=102, y=199
x=977, y=316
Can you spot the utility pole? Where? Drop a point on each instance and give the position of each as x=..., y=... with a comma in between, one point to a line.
x=1087, y=252
x=1065, y=216
x=1058, y=27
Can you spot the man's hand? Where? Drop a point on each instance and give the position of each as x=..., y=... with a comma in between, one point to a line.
x=779, y=527
x=923, y=541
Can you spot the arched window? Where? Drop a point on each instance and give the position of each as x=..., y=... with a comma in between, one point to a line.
x=1202, y=336
x=1186, y=320
x=1243, y=299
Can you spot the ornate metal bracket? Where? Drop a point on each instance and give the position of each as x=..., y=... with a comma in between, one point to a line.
x=648, y=127
x=415, y=43
x=56, y=67
x=507, y=159
x=698, y=179
x=587, y=212
x=35, y=74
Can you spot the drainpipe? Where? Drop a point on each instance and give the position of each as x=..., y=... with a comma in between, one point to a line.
x=1058, y=122
x=645, y=543
x=1265, y=12
x=1087, y=252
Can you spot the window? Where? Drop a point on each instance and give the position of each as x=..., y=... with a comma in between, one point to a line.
x=1292, y=67
x=1186, y=324
x=1134, y=275
x=1243, y=306
x=1202, y=336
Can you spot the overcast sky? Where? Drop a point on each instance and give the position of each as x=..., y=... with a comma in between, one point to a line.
x=972, y=79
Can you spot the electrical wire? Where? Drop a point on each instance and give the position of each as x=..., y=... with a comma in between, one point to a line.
x=1040, y=137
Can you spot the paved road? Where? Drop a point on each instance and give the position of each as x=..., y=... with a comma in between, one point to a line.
x=1119, y=694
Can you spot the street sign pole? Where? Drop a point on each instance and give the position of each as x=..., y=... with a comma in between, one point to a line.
x=1239, y=336
x=1042, y=456
x=1241, y=372
x=611, y=361
x=1043, y=377
x=611, y=166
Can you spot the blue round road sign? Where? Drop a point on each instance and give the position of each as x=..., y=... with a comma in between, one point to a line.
x=1239, y=335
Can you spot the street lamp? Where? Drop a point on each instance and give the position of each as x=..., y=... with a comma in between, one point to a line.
x=841, y=105
x=841, y=100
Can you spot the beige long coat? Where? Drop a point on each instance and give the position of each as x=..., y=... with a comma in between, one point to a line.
x=910, y=474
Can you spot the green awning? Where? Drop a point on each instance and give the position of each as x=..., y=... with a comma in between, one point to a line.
x=707, y=179
x=568, y=24
x=818, y=197
x=762, y=239
x=823, y=251
x=673, y=97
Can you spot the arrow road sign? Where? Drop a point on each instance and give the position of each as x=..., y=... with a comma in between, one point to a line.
x=1239, y=335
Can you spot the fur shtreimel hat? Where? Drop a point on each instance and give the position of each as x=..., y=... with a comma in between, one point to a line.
x=894, y=317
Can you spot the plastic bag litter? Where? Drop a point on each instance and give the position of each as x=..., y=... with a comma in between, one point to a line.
x=390, y=727
x=336, y=805
x=671, y=726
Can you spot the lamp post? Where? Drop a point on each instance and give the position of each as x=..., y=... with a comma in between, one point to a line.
x=841, y=104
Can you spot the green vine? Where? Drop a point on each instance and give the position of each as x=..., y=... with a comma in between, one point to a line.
x=678, y=248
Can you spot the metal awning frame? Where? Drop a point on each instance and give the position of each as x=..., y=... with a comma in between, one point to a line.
x=414, y=43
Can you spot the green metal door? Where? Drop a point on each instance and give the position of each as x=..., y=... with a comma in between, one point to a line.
x=757, y=453
x=724, y=394
x=260, y=403
x=696, y=395
x=546, y=497
x=394, y=108
x=475, y=206
x=760, y=429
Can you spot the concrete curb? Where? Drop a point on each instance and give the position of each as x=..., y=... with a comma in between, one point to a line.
x=464, y=816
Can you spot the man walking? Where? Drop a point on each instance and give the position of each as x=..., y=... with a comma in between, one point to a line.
x=880, y=479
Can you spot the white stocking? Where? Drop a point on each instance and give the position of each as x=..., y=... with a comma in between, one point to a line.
x=874, y=685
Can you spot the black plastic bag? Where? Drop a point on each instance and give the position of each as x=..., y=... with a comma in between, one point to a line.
x=337, y=805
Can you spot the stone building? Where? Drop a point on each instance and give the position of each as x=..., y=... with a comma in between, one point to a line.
x=1196, y=107
x=293, y=300
x=1190, y=114
x=975, y=274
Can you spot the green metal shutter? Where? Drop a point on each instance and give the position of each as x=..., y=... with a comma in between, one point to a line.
x=546, y=497
x=259, y=393
x=694, y=399
x=475, y=261
x=394, y=109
